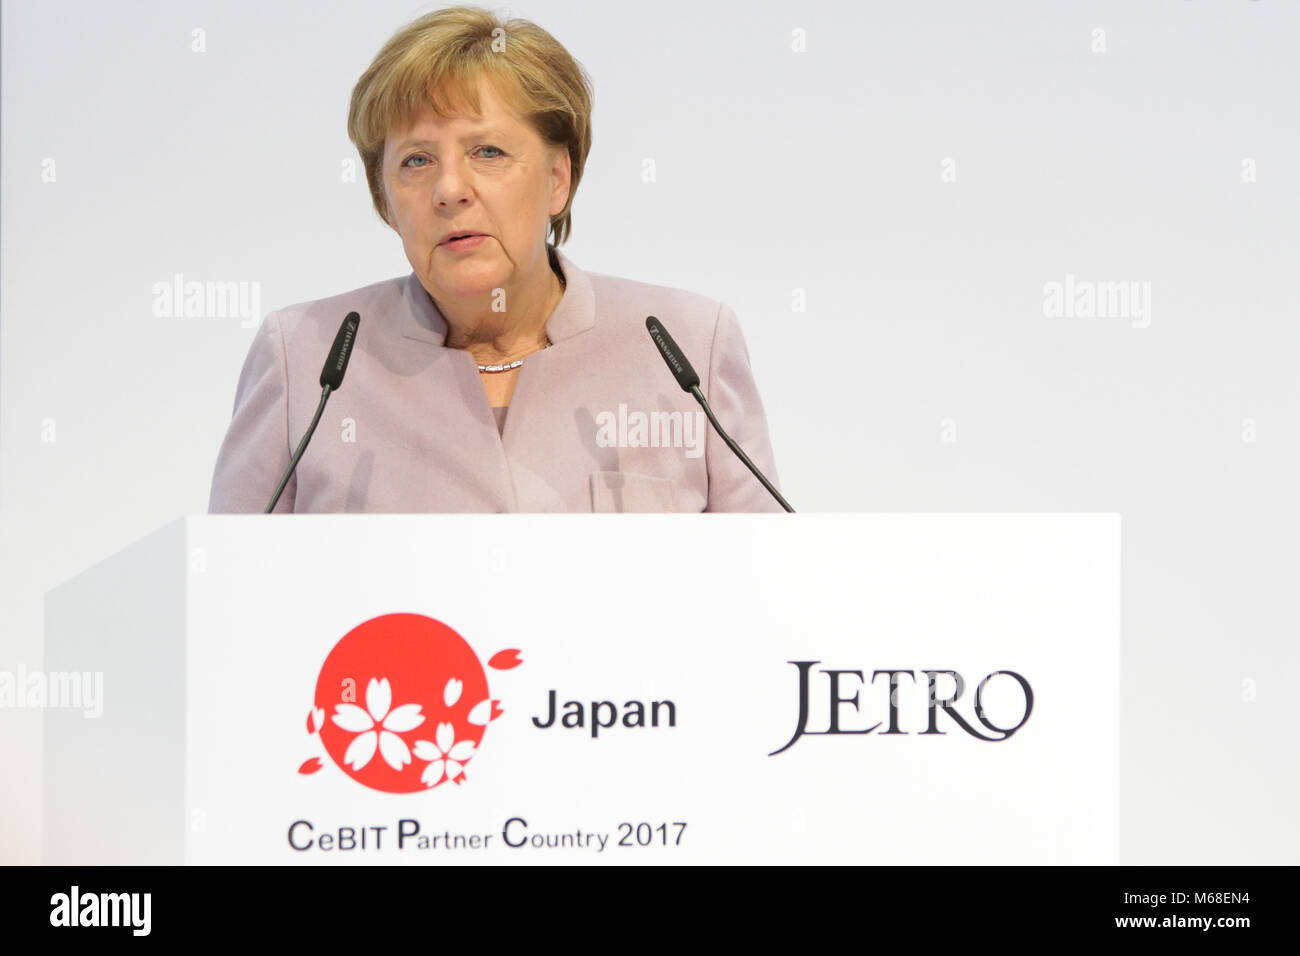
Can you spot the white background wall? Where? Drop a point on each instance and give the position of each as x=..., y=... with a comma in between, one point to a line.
x=776, y=171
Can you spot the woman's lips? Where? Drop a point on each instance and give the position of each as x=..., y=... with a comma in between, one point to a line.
x=457, y=245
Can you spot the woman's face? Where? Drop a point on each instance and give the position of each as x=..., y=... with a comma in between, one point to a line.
x=492, y=175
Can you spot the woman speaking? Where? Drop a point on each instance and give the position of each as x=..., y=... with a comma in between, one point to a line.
x=497, y=376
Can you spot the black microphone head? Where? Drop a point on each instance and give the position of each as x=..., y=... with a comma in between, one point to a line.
x=677, y=363
x=337, y=363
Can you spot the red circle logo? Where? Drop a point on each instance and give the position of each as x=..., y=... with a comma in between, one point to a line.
x=402, y=703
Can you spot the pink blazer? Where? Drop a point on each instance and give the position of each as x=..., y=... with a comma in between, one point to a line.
x=596, y=422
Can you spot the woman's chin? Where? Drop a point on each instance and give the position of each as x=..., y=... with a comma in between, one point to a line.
x=467, y=283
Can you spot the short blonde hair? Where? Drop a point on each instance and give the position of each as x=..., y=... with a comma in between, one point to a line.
x=438, y=60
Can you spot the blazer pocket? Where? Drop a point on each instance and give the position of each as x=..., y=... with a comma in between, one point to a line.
x=622, y=491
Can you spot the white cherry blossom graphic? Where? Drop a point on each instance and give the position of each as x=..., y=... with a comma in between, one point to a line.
x=446, y=756
x=451, y=693
x=421, y=679
x=377, y=726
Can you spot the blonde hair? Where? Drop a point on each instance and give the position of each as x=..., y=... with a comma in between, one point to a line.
x=438, y=60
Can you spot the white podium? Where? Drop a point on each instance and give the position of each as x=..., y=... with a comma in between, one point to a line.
x=537, y=689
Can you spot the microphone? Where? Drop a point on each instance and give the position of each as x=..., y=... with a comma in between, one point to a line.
x=331, y=378
x=689, y=380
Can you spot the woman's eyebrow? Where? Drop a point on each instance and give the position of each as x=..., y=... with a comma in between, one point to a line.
x=465, y=137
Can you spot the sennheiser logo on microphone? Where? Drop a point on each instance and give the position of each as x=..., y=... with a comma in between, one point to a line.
x=666, y=351
x=350, y=330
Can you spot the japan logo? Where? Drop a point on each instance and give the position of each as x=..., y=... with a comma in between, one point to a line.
x=402, y=703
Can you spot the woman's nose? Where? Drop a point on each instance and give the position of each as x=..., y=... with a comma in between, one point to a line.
x=451, y=185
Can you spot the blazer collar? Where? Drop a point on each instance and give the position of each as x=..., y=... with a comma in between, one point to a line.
x=575, y=313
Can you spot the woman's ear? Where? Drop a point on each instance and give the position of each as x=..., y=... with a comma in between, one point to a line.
x=561, y=173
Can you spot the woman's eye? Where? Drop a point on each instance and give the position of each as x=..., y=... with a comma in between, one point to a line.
x=420, y=161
